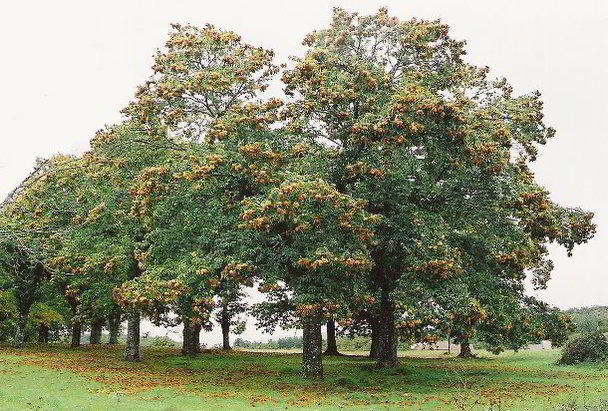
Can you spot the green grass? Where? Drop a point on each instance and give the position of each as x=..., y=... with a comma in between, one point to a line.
x=95, y=378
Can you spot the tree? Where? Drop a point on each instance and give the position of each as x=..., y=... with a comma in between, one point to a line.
x=25, y=275
x=231, y=306
x=79, y=211
x=204, y=80
x=432, y=146
x=315, y=244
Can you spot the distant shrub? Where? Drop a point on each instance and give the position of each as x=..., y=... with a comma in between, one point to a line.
x=158, y=342
x=586, y=348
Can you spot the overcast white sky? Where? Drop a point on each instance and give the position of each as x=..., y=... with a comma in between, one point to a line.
x=68, y=67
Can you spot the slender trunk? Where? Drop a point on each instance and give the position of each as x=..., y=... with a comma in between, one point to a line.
x=332, y=346
x=132, y=353
x=387, y=340
x=76, y=333
x=114, y=325
x=465, y=349
x=312, y=340
x=96, y=329
x=374, y=351
x=20, y=337
x=191, y=337
x=43, y=333
x=225, y=328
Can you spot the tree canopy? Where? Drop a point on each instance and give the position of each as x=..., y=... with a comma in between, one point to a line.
x=390, y=190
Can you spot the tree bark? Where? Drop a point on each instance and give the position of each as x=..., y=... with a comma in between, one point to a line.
x=20, y=337
x=225, y=328
x=132, y=352
x=374, y=351
x=76, y=333
x=332, y=346
x=191, y=339
x=312, y=340
x=114, y=325
x=197, y=336
x=43, y=333
x=96, y=329
x=387, y=339
x=465, y=349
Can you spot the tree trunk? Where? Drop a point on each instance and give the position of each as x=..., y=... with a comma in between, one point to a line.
x=465, y=349
x=96, y=329
x=191, y=343
x=43, y=333
x=387, y=340
x=225, y=328
x=20, y=337
x=332, y=346
x=132, y=353
x=76, y=333
x=374, y=351
x=197, y=337
x=312, y=341
x=114, y=326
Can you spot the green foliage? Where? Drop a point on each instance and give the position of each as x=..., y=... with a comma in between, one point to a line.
x=283, y=343
x=391, y=190
x=8, y=315
x=158, y=341
x=586, y=348
x=42, y=314
x=590, y=319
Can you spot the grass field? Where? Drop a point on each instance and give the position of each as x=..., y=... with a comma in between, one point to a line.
x=55, y=377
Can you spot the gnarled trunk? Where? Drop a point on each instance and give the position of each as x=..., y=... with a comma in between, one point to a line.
x=312, y=340
x=132, y=352
x=374, y=351
x=387, y=339
x=332, y=346
x=465, y=349
x=225, y=328
x=76, y=333
x=191, y=338
x=96, y=329
x=43, y=333
x=20, y=337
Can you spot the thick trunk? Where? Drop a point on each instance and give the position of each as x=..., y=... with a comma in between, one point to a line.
x=132, y=352
x=387, y=340
x=114, y=326
x=332, y=346
x=374, y=351
x=225, y=328
x=76, y=333
x=191, y=343
x=96, y=329
x=43, y=333
x=465, y=349
x=197, y=337
x=20, y=337
x=312, y=341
